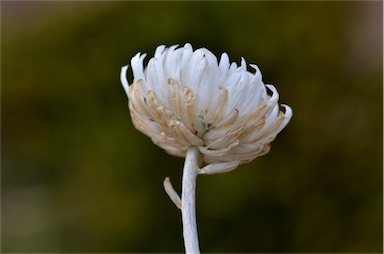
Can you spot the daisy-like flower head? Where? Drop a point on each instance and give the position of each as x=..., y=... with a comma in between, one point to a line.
x=186, y=98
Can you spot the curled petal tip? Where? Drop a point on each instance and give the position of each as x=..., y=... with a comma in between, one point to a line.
x=123, y=79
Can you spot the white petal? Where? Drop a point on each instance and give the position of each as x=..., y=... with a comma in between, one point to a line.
x=137, y=66
x=243, y=66
x=123, y=79
x=271, y=118
x=224, y=64
x=258, y=76
x=170, y=62
x=159, y=50
x=185, y=64
x=288, y=115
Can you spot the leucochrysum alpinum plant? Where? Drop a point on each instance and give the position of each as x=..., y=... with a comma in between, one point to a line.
x=214, y=113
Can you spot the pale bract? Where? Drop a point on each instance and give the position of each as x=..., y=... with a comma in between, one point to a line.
x=185, y=98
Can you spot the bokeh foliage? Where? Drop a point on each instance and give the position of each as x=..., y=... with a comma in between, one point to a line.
x=77, y=177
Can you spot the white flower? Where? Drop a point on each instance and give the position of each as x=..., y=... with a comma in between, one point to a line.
x=185, y=98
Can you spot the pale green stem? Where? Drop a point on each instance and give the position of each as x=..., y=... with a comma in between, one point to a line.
x=188, y=207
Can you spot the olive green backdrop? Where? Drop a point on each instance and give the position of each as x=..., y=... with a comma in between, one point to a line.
x=77, y=177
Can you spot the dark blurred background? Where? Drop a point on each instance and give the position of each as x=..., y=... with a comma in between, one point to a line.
x=76, y=176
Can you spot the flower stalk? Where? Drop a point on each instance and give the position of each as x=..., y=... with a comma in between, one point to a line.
x=188, y=204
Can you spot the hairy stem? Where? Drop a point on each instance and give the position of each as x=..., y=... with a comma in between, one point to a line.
x=188, y=208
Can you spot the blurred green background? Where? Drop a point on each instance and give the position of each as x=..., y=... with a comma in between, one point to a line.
x=77, y=177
